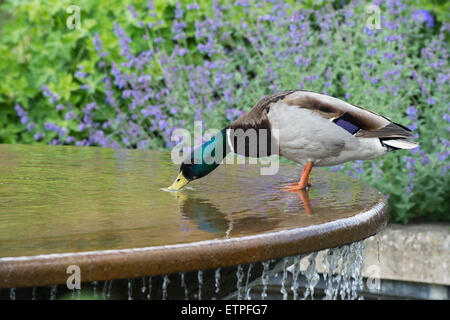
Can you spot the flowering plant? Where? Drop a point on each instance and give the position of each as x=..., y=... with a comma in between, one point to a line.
x=213, y=61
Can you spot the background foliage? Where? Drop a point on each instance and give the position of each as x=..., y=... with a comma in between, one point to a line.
x=136, y=70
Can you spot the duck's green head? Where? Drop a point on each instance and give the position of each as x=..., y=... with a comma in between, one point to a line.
x=201, y=161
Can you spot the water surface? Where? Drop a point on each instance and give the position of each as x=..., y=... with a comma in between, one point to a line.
x=56, y=199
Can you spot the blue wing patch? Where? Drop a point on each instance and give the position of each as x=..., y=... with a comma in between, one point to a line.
x=351, y=128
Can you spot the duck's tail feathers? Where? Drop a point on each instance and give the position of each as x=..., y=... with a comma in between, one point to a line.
x=399, y=143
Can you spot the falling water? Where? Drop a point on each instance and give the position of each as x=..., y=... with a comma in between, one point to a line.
x=295, y=273
x=265, y=278
x=217, y=278
x=311, y=276
x=240, y=279
x=149, y=288
x=12, y=294
x=164, y=286
x=105, y=287
x=357, y=263
x=378, y=248
x=130, y=289
x=144, y=287
x=53, y=292
x=106, y=292
x=247, y=288
x=283, y=280
x=94, y=288
x=183, y=286
x=332, y=259
x=200, y=284
x=342, y=278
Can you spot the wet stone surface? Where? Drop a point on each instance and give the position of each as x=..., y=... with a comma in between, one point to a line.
x=104, y=210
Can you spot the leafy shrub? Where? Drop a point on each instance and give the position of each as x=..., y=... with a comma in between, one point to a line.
x=180, y=62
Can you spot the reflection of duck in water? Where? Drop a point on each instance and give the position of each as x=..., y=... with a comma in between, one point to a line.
x=312, y=129
x=209, y=218
x=206, y=215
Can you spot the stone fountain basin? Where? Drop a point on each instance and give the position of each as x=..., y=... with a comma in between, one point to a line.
x=103, y=210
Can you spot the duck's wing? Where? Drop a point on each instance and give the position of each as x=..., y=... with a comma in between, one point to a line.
x=358, y=121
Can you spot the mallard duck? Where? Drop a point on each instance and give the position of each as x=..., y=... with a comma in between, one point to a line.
x=306, y=127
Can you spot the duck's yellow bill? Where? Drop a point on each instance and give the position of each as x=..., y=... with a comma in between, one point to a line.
x=179, y=183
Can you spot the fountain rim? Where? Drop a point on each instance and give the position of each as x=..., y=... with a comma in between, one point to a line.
x=51, y=269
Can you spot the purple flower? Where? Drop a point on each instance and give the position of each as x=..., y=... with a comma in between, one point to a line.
x=81, y=143
x=50, y=126
x=423, y=16
x=413, y=127
x=149, y=111
x=24, y=119
x=182, y=52
x=150, y=5
x=124, y=41
x=193, y=6
x=22, y=114
x=243, y=3
x=69, y=115
x=53, y=96
x=442, y=156
x=37, y=136
x=98, y=46
x=178, y=11
x=337, y=168
x=98, y=137
x=80, y=74
x=31, y=126
x=19, y=110
x=372, y=52
x=411, y=111
x=133, y=11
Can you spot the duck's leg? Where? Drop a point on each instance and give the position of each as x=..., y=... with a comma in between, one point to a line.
x=304, y=180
